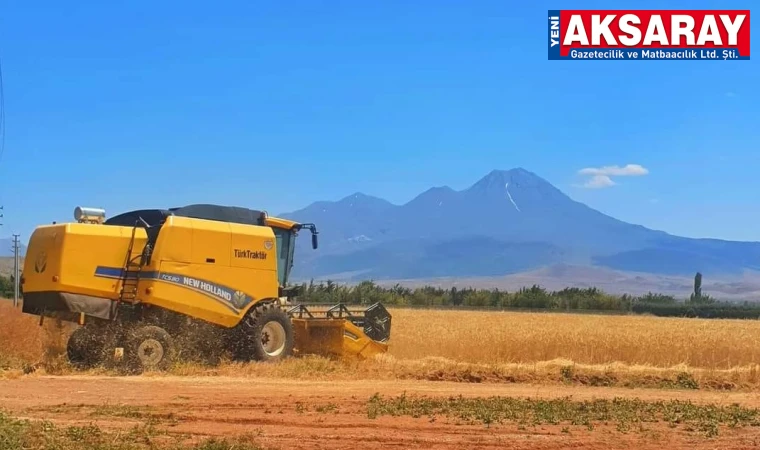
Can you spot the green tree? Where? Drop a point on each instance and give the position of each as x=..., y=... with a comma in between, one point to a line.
x=6, y=287
x=696, y=296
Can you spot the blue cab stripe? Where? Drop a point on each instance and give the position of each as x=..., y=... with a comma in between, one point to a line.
x=116, y=272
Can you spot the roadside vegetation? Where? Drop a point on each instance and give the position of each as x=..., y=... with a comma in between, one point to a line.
x=623, y=413
x=6, y=286
x=17, y=434
x=124, y=427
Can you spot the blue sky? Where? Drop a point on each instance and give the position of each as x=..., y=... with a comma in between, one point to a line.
x=274, y=105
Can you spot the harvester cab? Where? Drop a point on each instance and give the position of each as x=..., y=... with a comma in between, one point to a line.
x=132, y=282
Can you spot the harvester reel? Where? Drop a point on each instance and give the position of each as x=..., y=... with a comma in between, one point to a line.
x=377, y=323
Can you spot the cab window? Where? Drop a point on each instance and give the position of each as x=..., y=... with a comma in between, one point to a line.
x=283, y=242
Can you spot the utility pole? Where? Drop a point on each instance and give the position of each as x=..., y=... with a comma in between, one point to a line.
x=15, y=270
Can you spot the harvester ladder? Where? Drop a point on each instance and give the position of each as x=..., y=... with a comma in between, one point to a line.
x=130, y=274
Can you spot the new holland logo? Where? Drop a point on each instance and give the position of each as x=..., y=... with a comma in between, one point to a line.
x=239, y=299
x=268, y=245
x=40, y=263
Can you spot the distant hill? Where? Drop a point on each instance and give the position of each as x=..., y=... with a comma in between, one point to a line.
x=6, y=266
x=6, y=247
x=736, y=287
x=507, y=222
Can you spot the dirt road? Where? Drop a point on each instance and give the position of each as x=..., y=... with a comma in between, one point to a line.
x=333, y=415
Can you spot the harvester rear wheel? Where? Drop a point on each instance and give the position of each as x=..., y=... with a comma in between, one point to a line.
x=84, y=348
x=267, y=334
x=148, y=348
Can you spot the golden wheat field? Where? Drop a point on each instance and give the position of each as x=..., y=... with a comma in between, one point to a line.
x=483, y=346
x=516, y=337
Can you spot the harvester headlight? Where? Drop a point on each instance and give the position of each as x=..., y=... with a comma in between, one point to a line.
x=89, y=215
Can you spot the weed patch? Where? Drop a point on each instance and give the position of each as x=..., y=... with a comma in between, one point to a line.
x=625, y=414
x=18, y=434
x=328, y=408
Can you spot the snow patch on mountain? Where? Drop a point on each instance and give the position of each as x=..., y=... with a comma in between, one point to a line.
x=510, y=198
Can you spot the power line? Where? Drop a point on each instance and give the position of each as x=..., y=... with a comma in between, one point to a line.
x=16, y=270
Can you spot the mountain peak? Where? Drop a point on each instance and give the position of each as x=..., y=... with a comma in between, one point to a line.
x=435, y=196
x=514, y=170
x=358, y=198
x=515, y=177
x=438, y=190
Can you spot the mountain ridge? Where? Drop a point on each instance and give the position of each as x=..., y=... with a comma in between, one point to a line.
x=6, y=248
x=505, y=222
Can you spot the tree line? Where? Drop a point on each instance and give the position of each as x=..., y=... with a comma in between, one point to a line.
x=534, y=298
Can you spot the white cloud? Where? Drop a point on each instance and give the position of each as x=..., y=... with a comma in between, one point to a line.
x=601, y=177
x=630, y=170
x=599, y=182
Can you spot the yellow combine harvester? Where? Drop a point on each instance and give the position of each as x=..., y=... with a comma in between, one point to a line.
x=131, y=281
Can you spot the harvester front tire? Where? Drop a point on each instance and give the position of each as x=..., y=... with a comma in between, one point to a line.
x=84, y=348
x=268, y=334
x=148, y=348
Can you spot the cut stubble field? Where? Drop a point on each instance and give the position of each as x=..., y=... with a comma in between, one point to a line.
x=636, y=366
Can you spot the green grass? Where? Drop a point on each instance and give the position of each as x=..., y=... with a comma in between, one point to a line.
x=625, y=414
x=18, y=434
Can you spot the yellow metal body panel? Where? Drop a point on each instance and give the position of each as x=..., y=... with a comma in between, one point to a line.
x=214, y=271
x=335, y=337
x=64, y=257
x=280, y=223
